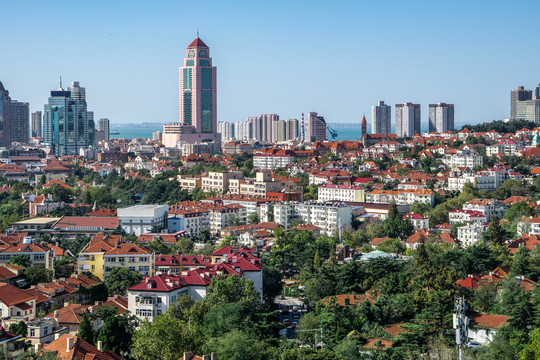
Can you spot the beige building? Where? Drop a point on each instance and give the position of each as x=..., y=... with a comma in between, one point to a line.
x=219, y=181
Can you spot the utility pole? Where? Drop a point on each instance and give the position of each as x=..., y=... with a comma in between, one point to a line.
x=321, y=330
x=461, y=324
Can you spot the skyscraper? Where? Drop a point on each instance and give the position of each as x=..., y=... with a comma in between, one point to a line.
x=441, y=117
x=292, y=129
x=381, y=118
x=67, y=124
x=315, y=128
x=520, y=94
x=198, y=94
x=5, y=117
x=407, y=119
x=36, y=124
x=529, y=109
x=20, y=122
x=104, y=126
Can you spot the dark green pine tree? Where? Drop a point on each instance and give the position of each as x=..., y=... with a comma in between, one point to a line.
x=86, y=332
x=495, y=233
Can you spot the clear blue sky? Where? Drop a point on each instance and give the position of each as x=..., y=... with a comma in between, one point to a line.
x=286, y=57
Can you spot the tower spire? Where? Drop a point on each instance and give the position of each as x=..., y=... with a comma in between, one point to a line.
x=60, y=81
x=197, y=33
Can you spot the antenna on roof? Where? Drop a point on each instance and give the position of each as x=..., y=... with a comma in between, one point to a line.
x=197, y=33
x=60, y=81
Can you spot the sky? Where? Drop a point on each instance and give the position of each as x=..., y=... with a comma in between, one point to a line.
x=337, y=58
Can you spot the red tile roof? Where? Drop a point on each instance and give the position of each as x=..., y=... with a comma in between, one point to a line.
x=12, y=295
x=197, y=43
x=490, y=321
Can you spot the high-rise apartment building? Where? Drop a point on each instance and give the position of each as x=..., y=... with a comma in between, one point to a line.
x=104, y=126
x=441, y=117
x=315, y=128
x=36, y=124
x=226, y=129
x=20, y=121
x=5, y=117
x=520, y=94
x=256, y=127
x=67, y=123
x=268, y=126
x=279, y=131
x=529, y=109
x=381, y=118
x=407, y=119
x=291, y=129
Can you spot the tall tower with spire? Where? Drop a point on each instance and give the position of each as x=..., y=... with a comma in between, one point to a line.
x=364, y=126
x=198, y=97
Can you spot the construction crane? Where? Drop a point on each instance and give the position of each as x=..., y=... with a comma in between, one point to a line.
x=333, y=133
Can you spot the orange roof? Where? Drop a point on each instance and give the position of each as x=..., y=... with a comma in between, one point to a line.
x=12, y=295
x=79, y=351
x=381, y=344
x=396, y=329
x=490, y=321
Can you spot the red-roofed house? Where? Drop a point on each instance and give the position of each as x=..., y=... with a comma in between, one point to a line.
x=483, y=327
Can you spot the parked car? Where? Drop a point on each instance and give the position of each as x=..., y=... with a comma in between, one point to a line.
x=287, y=322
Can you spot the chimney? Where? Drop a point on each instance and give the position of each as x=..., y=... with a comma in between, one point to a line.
x=70, y=342
x=56, y=313
x=205, y=357
x=188, y=355
x=213, y=356
x=99, y=346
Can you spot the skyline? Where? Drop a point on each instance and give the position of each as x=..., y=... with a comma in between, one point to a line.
x=131, y=55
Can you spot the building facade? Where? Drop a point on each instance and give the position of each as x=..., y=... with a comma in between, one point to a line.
x=381, y=118
x=20, y=122
x=67, y=123
x=315, y=128
x=36, y=124
x=407, y=119
x=441, y=117
x=198, y=95
x=104, y=126
x=520, y=94
x=5, y=117
x=139, y=219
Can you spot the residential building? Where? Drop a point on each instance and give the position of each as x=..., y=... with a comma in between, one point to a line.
x=418, y=221
x=226, y=129
x=329, y=192
x=198, y=96
x=529, y=110
x=219, y=181
x=104, y=126
x=16, y=304
x=409, y=197
x=463, y=158
x=483, y=327
x=471, y=234
x=529, y=225
x=272, y=161
x=466, y=216
x=487, y=207
x=12, y=346
x=407, y=119
x=67, y=123
x=315, y=128
x=69, y=347
x=441, y=117
x=291, y=129
x=36, y=124
x=508, y=148
x=38, y=255
x=139, y=219
x=237, y=147
x=520, y=94
x=44, y=330
x=327, y=216
x=20, y=122
x=5, y=117
x=381, y=118
x=104, y=252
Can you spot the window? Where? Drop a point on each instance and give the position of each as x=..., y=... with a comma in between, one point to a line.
x=121, y=259
x=93, y=267
x=131, y=259
x=39, y=256
x=159, y=301
x=46, y=330
x=32, y=332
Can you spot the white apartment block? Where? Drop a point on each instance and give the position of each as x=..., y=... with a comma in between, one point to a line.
x=271, y=162
x=409, y=197
x=219, y=181
x=463, y=158
x=382, y=196
x=486, y=207
x=507, y=148
x=329, y=192
x=418, y=221
x=470, y=234
x=222, y=216
x=139, y=219
x=465, y=216
x=327, y=216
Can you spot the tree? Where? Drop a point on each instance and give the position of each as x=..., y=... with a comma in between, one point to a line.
x=36, y=274
x=271, y=282
x=19, y=328
x=165, y=338
x=224, y=318
x=184, y=246
x=495, y=233
x=532, y=350
x=120, y=279
x=253, y=218
x=21, y=260
x=86, y=332
x=236, y=345
x=393, y=246
x=205, y=236
x=516, y=302
x=116, y=333
x=230, y=289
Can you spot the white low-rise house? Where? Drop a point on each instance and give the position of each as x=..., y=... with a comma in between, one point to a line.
x=327, y=216
x=483, y=327
x=382, y=196
x=139, y=219
x=466, y=216
x=330, y=192
x=409, y=197
x=507, y=148
x=16, y=304
x=486, y=207
x=458, y=182
x=529, y=225
x=44, y=330
x=418, y=221
x=471, y=234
